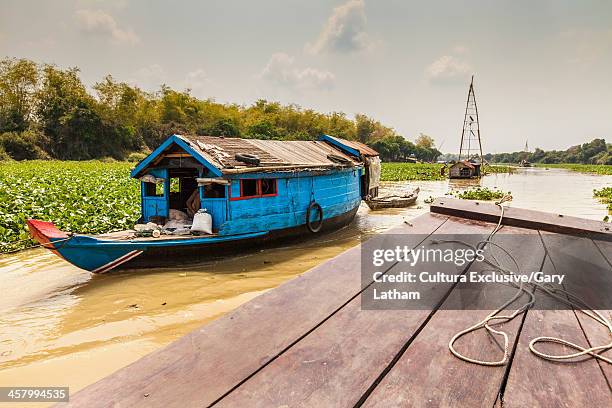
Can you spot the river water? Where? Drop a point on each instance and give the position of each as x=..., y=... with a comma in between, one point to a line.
x=62, y=326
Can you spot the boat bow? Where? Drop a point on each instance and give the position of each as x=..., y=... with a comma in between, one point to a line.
x=71, y=248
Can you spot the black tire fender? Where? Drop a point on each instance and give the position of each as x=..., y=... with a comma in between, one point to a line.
x=314, y=227
x=248, y=158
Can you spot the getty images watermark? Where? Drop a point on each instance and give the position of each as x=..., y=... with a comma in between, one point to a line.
x=466, y=272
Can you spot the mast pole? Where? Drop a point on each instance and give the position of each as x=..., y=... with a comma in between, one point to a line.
x=465, y=116
x=477, y=121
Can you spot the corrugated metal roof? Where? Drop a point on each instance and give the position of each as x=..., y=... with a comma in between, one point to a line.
x=221, y=152
x=465, y=163
x=360, y=147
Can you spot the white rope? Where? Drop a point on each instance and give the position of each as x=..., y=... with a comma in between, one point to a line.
x=495, y=318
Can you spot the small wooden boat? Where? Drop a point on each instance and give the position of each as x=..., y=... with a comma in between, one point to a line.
x=253, y=190
x=393, y=201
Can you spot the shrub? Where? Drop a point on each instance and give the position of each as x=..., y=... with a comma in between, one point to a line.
x=3, y=154
x=23, y=146
x=107, y=159
x=136, y=157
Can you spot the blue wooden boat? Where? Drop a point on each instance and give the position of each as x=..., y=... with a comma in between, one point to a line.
x=255, y=191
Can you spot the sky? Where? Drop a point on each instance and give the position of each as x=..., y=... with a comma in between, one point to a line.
x=543, y=69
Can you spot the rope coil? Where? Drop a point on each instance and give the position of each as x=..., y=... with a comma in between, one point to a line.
x=495, y=318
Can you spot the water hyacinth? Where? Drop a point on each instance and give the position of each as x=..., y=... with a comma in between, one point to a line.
x=425, y=171
x=582, y=168
x=480, y=193
x=604, y=195
x=86, y=197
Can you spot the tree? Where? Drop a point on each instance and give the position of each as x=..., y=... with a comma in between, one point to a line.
x=263, y=129
x=68, y=116
x=224, y=127
x=18, y=84
x=424, y=141
x=364, y=128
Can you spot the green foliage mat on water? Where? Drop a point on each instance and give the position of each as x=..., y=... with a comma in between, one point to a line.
x=424, y=171
x=582, y=168
x=87, y=197
x=411, y=171
x=480, y=193
x=604, y=195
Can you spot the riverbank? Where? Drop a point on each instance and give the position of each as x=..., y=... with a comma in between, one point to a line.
x=582, y=168
x=426, y=171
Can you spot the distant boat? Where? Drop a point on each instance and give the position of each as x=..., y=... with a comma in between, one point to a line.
x=393, y=201
x=253, y=191
x=525, y=163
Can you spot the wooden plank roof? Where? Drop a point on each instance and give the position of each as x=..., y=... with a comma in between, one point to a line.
x=222, y=151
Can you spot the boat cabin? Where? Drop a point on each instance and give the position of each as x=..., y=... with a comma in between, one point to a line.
x=464, y=169
x=250, y=185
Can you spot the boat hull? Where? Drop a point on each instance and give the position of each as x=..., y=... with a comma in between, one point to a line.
x=101, y=256
x=398, y=203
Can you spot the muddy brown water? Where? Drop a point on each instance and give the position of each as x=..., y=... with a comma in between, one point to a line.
x=62, y=326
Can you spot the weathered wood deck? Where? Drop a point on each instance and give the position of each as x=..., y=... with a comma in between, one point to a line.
x=308, y=343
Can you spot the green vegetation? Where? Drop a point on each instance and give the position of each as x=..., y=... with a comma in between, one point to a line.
x=424, y=171
x=604, y=195
x=47, y=112
x=596, y=151
x=498, y=169
x=411, y=171
x=582, y=168
x=480, y=193
x=87, y=197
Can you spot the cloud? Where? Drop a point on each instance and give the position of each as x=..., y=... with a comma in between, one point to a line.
x=448, y=69
x=345, y=30
x=281, y=70
x=149, y=78
x=117, y=4
x=198, y=82
x=460, y=49
x=100, y=23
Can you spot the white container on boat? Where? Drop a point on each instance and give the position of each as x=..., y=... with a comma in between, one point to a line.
x=202, y=222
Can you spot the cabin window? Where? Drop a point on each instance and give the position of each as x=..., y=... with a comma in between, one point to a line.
x=214, y=190
x=253, y=188
x=248, y=188
x=154, y=189
x=268, y=187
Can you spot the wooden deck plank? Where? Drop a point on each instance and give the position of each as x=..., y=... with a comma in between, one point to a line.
x=595, y=332
x=580, y=259
x=520, y=217
x=205, y=364
x=427, y=374
x=536, y=382
x=605, y=247
x=335, y=364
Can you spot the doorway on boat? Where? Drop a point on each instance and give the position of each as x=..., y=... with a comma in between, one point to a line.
x=184, y=194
